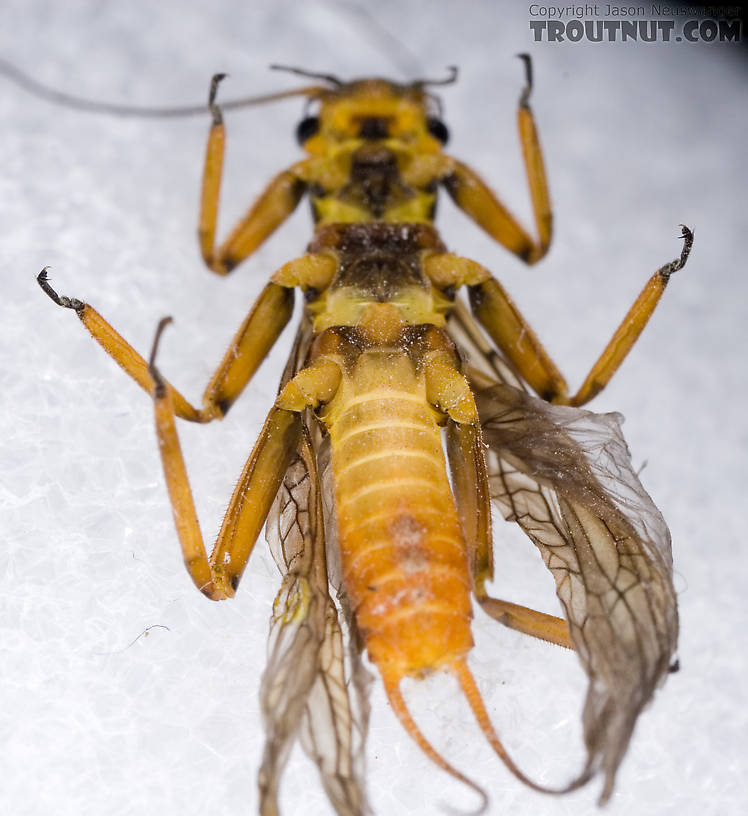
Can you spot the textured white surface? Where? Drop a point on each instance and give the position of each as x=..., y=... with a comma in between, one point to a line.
x=636, y=138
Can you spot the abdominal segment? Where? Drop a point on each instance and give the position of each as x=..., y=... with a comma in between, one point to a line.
x=405, y=567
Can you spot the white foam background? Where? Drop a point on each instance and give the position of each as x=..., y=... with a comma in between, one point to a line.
x=636, y=138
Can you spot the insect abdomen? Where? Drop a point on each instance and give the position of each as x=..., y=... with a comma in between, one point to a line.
x=404, y=562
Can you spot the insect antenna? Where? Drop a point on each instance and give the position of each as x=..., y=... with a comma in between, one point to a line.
x=475, y=701
x=67, y=100
x=449, y=80
x=330, y=78
x=368, y=27
x=395, y=697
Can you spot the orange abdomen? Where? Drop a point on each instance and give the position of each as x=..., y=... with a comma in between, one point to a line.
x=405, y=567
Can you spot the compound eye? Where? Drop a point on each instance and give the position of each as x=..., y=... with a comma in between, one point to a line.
x=437, y=129
x=307, y=128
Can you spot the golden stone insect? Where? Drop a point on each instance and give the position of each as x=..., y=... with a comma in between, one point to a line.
x=393, y=387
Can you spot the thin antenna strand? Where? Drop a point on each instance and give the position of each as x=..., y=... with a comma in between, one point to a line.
x=368, y=27
x=449, y=80
x=331, y=78
x=68, y=100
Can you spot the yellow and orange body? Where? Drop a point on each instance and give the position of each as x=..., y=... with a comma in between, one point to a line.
x=405, y=564
x=375, y=363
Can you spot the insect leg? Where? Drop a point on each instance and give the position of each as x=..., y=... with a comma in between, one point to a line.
x=270, y=210
x=116, y=347
x=534, y=166
x=513, y=335
x=467, y=466
x=218, y=576
x=250, y=345
x=253, y=340
x=260, y=329
x=506, y=326
x=474, y=197
x=448, y=391
x=631, y=326
x=470, y=484
x=526, y=620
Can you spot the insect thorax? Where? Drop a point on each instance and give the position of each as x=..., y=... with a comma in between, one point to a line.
x=378, y=263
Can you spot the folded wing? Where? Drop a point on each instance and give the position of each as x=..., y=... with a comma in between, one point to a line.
x=565, y=476
x=305, y=688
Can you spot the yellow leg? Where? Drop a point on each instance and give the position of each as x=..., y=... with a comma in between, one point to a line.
x=514, y=336
x=218, y=576
x=631, y=326
x=270, y=210
x=449, y=391
x=474, y=197
x=528, y=621
x=256, y=336
x=467, y=466
x=534, y=167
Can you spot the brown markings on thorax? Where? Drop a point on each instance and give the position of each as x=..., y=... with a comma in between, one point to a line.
x=379, y=259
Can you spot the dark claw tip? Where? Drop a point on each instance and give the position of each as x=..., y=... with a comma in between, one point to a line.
x=525, y=95
x=214, y=109
x=154, y=372
x=41, y=279
x=60, y=300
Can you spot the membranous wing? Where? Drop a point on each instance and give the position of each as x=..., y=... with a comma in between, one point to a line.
x=309, y=688
x=565, y=476
x=305, y=691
